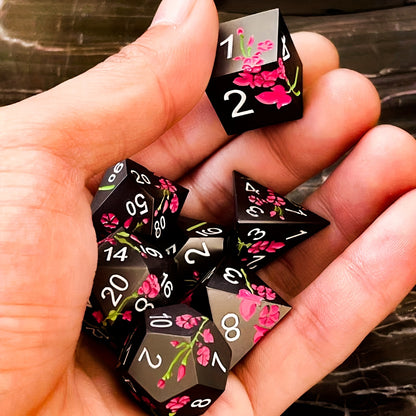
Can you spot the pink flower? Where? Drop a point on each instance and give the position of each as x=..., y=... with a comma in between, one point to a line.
x=281, y=71
x=277, y=95
x=134, y=238
x=127, y=223
x=207, y=335
x=273, y=213
x=245, y=79
x=252, y=64
x=145, y=220
x=181, y=372
x=110, y=240
x=174, y=203
x=265, y=46
x=98, y=315
x=174, y=343
x=127, y=316
x=240, y=31
x=109, y=221
x=265, y=79
x=177, y=403
x=203, y=354
x=248, y=304
x=273, y=246
x=250, y=41
x=161, y=383
x=187, y=321
x=150, y=287
x=165, y=206
x=258, y=246
x=270, y=295
x=166, y=184
x=255, y=200
x=275, y=199
x=269, y=315
x=260, y=332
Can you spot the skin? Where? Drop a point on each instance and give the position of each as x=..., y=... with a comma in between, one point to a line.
x=54, y=147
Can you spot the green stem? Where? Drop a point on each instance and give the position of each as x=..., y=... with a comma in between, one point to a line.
x=241, y=245
x=120, y=308
x=196, y=226
x=247, y=282
x=293, y=86
x=243, y=51
x=122, y=240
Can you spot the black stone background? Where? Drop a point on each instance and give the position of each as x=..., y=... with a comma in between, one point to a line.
x=44, y=42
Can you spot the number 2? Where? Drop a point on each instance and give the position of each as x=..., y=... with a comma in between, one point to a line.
x=243, y=97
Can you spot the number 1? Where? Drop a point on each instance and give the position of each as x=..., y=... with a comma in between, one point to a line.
x=230, y=41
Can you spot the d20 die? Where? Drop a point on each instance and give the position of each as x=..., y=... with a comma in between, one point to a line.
x=257, y=75
x=196, y=246
x=132, y=197
x=131, y=277
x=267, y=224
x=240, y=304
x=180, y=361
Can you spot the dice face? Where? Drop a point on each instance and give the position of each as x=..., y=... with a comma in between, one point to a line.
x=196, y=247
x=181, y=358
x=240, y=304
x=131, y=277
x=132, y=197
x=257, y=75
x=267, y=224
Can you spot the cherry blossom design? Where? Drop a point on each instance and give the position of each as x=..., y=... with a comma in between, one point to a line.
x=248, y=304
x=202, y=336
x=174, y=204
x=109, y=221
x=254, y=77
x=269, y=315
x=150, y=287
x=260, y=332
x=127, y=316
x=177, y=403
x=264, y=291
x=167, y=185
x=267, y=246
x=98, y=315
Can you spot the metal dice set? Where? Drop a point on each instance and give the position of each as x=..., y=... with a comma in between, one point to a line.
x=177, y=298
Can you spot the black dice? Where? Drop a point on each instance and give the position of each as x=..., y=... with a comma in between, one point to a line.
x=267, y=224
x=132, y=197
x=257, y=75
x=132, y=276
x=196, y=245
x=178, y=363
x=240, y=304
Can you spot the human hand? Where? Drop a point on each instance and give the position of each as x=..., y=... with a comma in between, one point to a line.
x=138, y=104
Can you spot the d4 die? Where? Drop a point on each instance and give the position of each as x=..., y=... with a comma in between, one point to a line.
x=267, y=224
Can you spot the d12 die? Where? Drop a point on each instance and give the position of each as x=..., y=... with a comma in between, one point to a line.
x=179, y=363
x=240, y=304
x=132, y=197
x=196, y=247
x=267, y=224
x=131, y=277
x=257, y=75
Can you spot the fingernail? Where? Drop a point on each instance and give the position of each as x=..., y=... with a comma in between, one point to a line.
x=172, y=12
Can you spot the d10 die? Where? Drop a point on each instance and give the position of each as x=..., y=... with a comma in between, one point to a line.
x=131, y=277
x=179, y=363
x=196, y=246
x=132, y=197
x=240, y=304
x=267, y=224
x=257, y=75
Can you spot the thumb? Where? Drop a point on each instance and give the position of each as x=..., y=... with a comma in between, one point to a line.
x=130, y=99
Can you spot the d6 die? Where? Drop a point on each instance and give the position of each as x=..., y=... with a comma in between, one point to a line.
x=196, y=246
x=267, y=224
x=242, y=306
x=257, y=75
x=131, y=276
x=132, y=197
x=178, y=363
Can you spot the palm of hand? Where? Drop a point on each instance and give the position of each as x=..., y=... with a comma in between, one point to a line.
x=48, y=245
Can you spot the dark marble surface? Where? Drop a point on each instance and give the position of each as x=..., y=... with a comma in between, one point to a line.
x=44, y=42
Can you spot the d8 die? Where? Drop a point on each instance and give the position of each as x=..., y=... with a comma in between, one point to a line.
x=131, y=277
x=179, y=363
x=257, y=75
x=267, y=224
x=196, y=246
x=132, y=197
x=240, y=304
